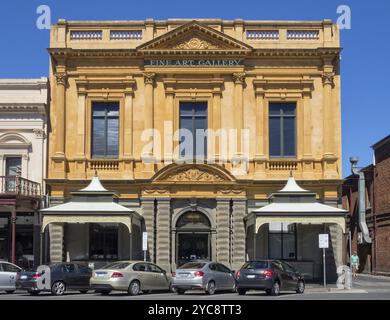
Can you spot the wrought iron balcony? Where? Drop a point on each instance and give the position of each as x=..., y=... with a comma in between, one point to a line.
x=18, y=186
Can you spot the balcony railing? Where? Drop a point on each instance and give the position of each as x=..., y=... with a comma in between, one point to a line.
x=15, y=185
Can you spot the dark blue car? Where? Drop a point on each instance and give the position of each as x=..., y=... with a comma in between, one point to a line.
x=272, y=276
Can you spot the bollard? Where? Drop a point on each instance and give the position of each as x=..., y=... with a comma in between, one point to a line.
x=348, y=279
x=344, y=280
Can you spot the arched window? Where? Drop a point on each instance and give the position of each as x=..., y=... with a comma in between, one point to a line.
x=193, y=220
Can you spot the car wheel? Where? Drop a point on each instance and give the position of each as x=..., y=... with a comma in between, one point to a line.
x=134, y=288
x=210, y=288
x=234, y=288
x=275, y=290
x=58, y=288
x=10, y=291
x=180, y=291
x=301, y=287
x=268, y=291
x=241, y=291
x=105, y=292
x=83, y=291
x=34, y=293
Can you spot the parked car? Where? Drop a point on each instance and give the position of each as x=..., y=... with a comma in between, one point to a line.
x=130, y=276
x=8, y=273
x=203, y=275
x=272, y=276
x=63, y=277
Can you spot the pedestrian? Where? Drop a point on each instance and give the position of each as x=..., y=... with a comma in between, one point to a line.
x=354, y=263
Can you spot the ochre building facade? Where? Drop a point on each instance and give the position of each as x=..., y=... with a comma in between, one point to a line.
x=277, y=83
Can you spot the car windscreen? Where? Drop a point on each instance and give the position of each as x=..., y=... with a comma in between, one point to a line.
x=255, y=265
x=117, y=265
x=193, y=265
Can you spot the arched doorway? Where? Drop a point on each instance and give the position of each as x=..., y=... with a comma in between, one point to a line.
x=193, y=237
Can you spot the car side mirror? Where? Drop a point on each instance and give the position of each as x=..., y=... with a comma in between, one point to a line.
x=164, y=272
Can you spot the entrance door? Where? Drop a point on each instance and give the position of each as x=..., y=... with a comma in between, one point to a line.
x=192, y=246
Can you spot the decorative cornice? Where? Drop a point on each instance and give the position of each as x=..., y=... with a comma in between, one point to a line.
x=239, y=78
x=39, y=133
x=149, y=77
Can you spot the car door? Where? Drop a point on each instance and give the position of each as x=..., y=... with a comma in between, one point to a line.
x=9, y=273
x=3, y=277
x=143, y=275
x=68, y=275
x=160, y=280
x=216, y=276
x=228, y=280
x=292, y=275
x=285, y=285
x=286, y=276
x=83, y=275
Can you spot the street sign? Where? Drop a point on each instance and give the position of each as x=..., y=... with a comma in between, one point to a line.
x=323, y=241
x=144, y=241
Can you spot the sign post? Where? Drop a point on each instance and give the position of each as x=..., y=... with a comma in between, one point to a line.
x=323, y=243
x=144, y=243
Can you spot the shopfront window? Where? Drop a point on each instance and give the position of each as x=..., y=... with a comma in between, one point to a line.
x=282, y=241
x=103, y=241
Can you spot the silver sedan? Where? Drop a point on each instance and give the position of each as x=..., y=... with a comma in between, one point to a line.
x=207, y=276
x=8, y=272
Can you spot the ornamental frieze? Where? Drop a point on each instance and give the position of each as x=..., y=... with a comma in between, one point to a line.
x=195, y=174
x=195, y=43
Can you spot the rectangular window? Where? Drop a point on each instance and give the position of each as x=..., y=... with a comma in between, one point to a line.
x=105, y=130
x=103, y=241
x=193, y=127
x=282, y=130
x=13, y=167
x=282, y=241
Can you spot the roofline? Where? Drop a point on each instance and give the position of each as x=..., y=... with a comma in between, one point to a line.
x=200, y=20
x=381, y=142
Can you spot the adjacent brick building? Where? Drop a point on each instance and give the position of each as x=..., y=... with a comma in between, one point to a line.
x=374, y=257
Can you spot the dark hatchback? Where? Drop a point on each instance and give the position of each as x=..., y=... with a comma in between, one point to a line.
x=273, y=276
x=63, y=277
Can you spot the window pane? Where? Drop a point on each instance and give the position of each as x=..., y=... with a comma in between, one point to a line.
x=201, y=139
x=289, y=136
x=186, y=137
x=274, y=109
x=186, y=108
x=98, y=137
x=201, y=108
x=288, y=108
x=113, y=137
x=274, y=136
x=14, y=166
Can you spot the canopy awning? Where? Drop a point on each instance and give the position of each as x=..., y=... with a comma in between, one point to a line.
x=293, y=204
x=93, y=204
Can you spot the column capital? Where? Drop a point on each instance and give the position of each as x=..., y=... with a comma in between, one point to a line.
x=239, y=77
x=328, y=78
x=61, y=78
x=149, y=77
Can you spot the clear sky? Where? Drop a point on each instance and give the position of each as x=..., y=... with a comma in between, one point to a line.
x=365, y=66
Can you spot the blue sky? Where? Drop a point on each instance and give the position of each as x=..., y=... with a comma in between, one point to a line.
x=365, y=66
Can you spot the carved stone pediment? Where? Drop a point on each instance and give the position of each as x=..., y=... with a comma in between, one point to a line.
x=194, y=36
x=193, y=174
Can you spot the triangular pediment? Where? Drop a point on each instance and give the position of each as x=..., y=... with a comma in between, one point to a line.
x=194, y=36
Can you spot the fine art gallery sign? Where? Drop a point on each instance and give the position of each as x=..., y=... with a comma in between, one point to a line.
x=194, y=63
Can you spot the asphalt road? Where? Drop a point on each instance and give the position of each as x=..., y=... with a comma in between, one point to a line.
x=364, y=288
